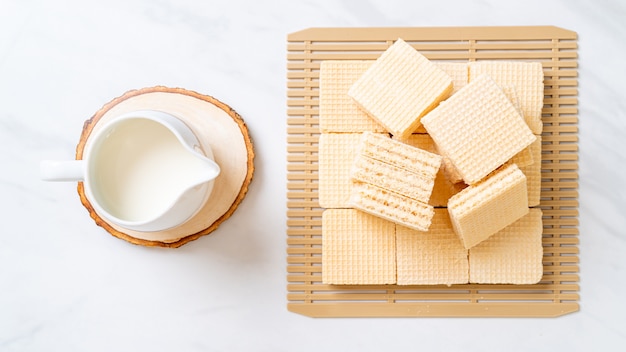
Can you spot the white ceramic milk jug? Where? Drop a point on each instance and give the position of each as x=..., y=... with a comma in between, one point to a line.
x=143, y=171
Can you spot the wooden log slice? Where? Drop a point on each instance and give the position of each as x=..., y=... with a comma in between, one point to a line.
x=217, y=126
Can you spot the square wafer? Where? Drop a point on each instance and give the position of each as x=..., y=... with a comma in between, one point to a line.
x=527, y=77
x=512, y=256
x=391, y=206
x=533, y=174
x=481, y=210
x=433, y=257
x=357, y=248
x=400, y=87
x=336, y=153
x=525, y=157
x=396, y=166
x=458, y=71
x=394, y=152
x=338, y=112
x=478, y=129
x=443, y=187
x=418, y=186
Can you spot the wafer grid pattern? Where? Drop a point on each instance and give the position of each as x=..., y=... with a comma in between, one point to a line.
x=336, y=153
x=557, y=292
x=359, y=248
x=400, y=87
x=431, y=257
x=340, y=113
x=478, y=135
x=516, y=246
x=524, y=77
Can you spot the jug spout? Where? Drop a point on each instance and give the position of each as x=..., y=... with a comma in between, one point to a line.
x=206, y=170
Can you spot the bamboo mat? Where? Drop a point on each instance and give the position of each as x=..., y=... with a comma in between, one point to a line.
x=556, y=294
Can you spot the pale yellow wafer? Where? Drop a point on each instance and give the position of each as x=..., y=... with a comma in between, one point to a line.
x=357, y=248
x=533, y=174
x=391, y=206
x=414, y=185
x=511, y=256
x=525, y=157
x=481, y=210
x=433, y=257
x=527, y=77
x=478, y=129
x=449, y=170
x=511, y=93
x=400, y=87
x=458, y=71
x=336, y=154
x=338, y=112
x=388, y=150
x=443, y=188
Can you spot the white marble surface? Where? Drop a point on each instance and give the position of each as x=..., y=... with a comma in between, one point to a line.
x=66, y=285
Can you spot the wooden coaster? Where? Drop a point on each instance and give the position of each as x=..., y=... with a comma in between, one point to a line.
x=217, y=126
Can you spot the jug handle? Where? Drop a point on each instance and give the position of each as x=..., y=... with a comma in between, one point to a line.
x=62, y=170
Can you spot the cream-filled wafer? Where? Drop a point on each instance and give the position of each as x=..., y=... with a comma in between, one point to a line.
x=390, y=151
x=479, y=211
x=512, y=256
x=338, y=112
x=400, y=87
x=418, y=186
x=478, y=129
x=527, y=77
x=431, y=257
x=391, y=206
x=357, y=248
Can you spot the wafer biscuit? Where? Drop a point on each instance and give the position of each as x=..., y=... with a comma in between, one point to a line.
x=449, y=170
x=533, y=174
x=511, y=93
x=394, y=152
x=336, y=153
x=391, y=206
x=400, y=87
x=337, y=111
x=414, y=185
x=525, y=157
x=443, y=187
x=478, y=129
x=527, y=77
x=511, y=256
x=458, y=71
x=481, y=210
x=357, y=248
x=433, y=257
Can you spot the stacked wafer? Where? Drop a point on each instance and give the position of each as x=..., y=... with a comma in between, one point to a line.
x=394, y=181
x=482, y=121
